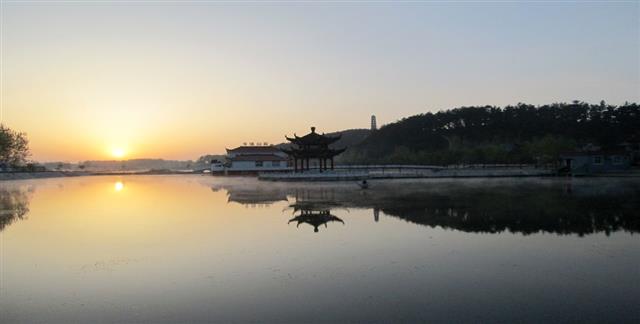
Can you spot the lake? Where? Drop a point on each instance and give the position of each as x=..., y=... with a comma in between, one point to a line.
x=202, y=249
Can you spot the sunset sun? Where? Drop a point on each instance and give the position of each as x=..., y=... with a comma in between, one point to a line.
x=118, y=152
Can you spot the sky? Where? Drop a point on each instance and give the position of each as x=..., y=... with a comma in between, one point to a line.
x=177, y=80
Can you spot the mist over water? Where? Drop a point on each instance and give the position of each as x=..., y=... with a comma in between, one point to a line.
x=201, y=248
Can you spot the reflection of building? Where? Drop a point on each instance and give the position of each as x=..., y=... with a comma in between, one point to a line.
x=254, y=196
x=315, y=218
x=312, y=146
x=262, y=198
x=252, y=159
x=575, y=207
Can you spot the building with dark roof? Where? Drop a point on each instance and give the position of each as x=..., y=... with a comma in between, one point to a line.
x=253, y=159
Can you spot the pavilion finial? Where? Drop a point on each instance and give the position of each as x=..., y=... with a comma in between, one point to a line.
x=313, y=129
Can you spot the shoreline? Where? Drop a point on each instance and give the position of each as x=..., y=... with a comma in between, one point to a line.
x=10, y=176
x=13, y=176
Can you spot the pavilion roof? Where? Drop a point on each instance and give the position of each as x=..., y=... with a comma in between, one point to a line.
x=313, y=138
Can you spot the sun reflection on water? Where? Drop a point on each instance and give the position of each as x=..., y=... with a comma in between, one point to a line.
x=118, y=186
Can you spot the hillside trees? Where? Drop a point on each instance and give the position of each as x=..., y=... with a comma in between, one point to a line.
x=521, y=133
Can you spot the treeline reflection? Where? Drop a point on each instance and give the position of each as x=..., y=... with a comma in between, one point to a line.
x=14, y=205
x=527, y=207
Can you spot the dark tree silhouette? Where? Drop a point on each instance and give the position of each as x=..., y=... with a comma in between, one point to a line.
x=14, y=146
x=514, y=134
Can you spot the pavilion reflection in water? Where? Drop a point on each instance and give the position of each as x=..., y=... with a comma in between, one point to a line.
x=314, y=206
x=315, y=218
x=493, y=207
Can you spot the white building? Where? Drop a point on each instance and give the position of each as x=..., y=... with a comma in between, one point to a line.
x=253, y=159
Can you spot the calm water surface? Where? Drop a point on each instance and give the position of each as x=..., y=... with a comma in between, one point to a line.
x=199, y=248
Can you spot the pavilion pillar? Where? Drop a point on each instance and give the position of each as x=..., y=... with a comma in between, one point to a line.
x=331, y=163
x=321, y=164
x=295, y=165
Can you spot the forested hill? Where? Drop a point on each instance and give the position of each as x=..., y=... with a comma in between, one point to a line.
x=513, y=134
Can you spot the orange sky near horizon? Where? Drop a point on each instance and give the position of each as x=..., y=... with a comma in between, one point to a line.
x=181, y=80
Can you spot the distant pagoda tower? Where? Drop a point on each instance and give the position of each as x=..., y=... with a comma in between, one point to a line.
x=374, y=125
x=310, y=147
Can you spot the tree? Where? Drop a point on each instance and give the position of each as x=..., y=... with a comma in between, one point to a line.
x=521, y=133
x=14, y=146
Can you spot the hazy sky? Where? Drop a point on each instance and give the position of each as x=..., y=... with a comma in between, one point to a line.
x=178, y=80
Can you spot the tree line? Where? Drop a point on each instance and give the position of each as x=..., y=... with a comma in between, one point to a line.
x=521, y=133
x=14, y=147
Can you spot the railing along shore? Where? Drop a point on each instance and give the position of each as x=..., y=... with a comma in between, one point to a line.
x=361, y=172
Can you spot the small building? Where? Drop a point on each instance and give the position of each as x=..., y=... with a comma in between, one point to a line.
x=252, y=159
x=632, y=146
x=4, y=166
x=588, y=162
x=312, y=146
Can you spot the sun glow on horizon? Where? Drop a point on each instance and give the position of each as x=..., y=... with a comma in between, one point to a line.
x=118, y=152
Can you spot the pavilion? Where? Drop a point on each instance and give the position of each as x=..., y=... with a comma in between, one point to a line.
x=311, y=147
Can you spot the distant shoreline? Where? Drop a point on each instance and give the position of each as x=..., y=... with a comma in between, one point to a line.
x=8, y=176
